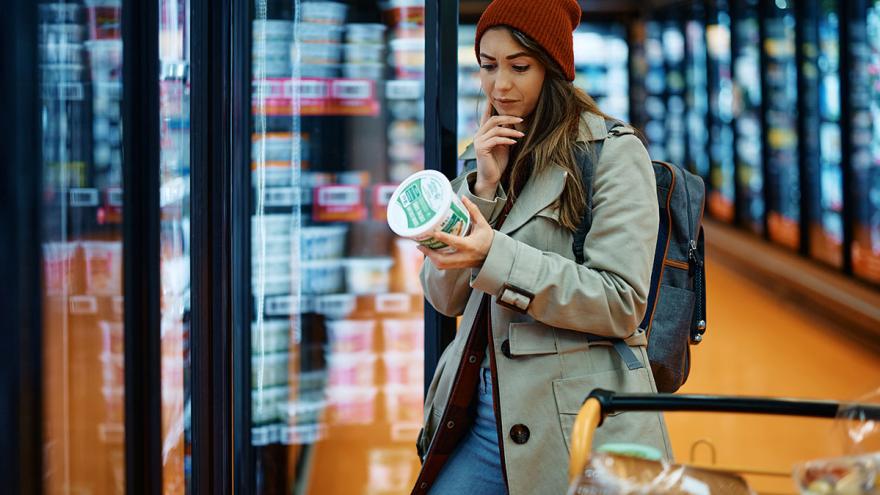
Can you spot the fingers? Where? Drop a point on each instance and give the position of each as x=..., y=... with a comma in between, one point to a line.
x=487, y=113
x=444, y=261
x=496, y=121
x=503, y=131
x=476, y=214
x=450, y=240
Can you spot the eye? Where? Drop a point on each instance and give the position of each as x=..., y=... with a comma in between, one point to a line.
x=520, y=68
x=488, y=67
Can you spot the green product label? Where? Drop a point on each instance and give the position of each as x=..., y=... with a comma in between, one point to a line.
x=415, y=205
x=457, y=217
x=432, y=243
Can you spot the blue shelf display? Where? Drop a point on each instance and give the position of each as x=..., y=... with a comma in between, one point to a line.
x=747, y=110
x=780, y=126
x=864, y=53
x=721, y=161
x=674, y=58
x=697, y=98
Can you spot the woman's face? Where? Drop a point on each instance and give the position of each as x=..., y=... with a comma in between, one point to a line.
x=510, y=78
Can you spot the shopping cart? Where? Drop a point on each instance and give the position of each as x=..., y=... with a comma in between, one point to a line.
x=600, y=403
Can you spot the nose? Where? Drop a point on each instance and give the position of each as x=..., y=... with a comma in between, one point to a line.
x=503, y=81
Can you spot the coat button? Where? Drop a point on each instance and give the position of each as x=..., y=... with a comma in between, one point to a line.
x=505, y=349
x=472, y=359
x=519, y=434
x=423, y=485
x=450, y=424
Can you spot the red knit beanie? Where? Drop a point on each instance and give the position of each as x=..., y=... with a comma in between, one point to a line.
x=549, y=22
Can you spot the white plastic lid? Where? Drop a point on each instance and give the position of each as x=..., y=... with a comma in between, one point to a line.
x=397, y=217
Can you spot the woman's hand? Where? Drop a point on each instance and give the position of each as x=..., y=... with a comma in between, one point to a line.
x=471, y=250
x=492, y=145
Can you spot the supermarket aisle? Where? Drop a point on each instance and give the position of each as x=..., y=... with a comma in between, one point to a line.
x=759, y=343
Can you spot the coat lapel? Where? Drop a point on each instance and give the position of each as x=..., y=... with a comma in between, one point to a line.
x=540, y=191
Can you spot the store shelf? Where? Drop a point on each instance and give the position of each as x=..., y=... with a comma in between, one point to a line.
x=278, y=97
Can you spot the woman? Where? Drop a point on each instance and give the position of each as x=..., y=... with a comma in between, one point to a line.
x=500, y=408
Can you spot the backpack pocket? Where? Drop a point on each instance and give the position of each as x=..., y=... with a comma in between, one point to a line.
x=668, y=337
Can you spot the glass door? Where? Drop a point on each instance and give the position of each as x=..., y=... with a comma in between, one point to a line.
x=80, y=50
x=337, y=327
x=747, y=112
x=174, y=254
x=864, y=107
x=655, y=91
x=720, y=201
x=780, y=124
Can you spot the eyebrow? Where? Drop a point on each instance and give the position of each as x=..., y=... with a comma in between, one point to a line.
x=509, y=57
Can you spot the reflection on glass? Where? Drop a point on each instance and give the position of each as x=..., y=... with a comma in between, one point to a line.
x=865, y=109
x=747, y=111
x=174, y=198
x=674, y=56
x=601, y=55
x=721, y=160
x=655, y=91
x=784, y=195
x=697, y=100
x=80, y=51
x=337, y=324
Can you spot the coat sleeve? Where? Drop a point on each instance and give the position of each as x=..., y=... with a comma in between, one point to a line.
x=607, y=295
x=448, y=290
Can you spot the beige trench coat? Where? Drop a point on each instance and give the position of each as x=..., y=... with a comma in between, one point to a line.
x=551, y=366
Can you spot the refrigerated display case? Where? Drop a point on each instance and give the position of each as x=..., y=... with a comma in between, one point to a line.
x=601, y=58
x=747, y=114
x=673, y=41
x=655, y=91
x=337, y=326
x=863, y=24
x=83, y=331
x=819, y=43
x=722, y=192
x=780, y=124
x=697, y=95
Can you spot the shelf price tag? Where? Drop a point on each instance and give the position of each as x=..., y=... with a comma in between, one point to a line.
x=339, y=203
x=354, y=97
x=381, y=197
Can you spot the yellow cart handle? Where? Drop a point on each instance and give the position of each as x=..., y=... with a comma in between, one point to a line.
x=585, y=425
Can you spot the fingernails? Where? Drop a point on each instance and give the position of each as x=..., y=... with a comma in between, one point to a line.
x=519, y=119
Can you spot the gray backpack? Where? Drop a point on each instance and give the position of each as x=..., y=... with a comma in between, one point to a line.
x=676, y=314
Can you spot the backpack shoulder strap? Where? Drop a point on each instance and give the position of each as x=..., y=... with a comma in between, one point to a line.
x=586, y=158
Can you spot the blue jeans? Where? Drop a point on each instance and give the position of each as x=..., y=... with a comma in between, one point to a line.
x=475, y=465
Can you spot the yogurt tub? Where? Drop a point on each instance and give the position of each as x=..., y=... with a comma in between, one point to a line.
x=322, y=276
x=363, y=71
x=273, y=30
x=368, y=275
x=61, y=33
x=423, y=204
x=351, y=336
x=363, y=54
x=332, y=13
x=336, y=306
x=373, y=34
x=59, y=13
x=316, y=53
x=323, y=241
x=318, y=33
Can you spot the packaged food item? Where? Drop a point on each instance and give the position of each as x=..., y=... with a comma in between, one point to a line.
x=322, y=276
x=347, y=369
x=112, y=337
x=403, y=335
x=103, y=268
x=408, y=55
x=269, y=30
x=270, y=336
x=365, y=33
x=625, y=475
x=408, y=260
x=368, y=275
x=58, y=270
x=425, y=203
x=332, y=13
x=112, y=369
x=363, y=71
x=339, y=203
x=351, y=336
x=307, y=32
x=406, y=17
x=323, y=241
x=404, y=368
x=352, y=405
x=105, y=19
x=336, y=306
x=60, y=13
x=851, y=475
x=363, y=54
x=62, y=33
x=268, y=370
x=316, y=53
x=105, y=59
x=404, y=403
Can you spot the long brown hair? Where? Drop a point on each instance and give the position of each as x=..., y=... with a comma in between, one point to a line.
x=551, y=135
